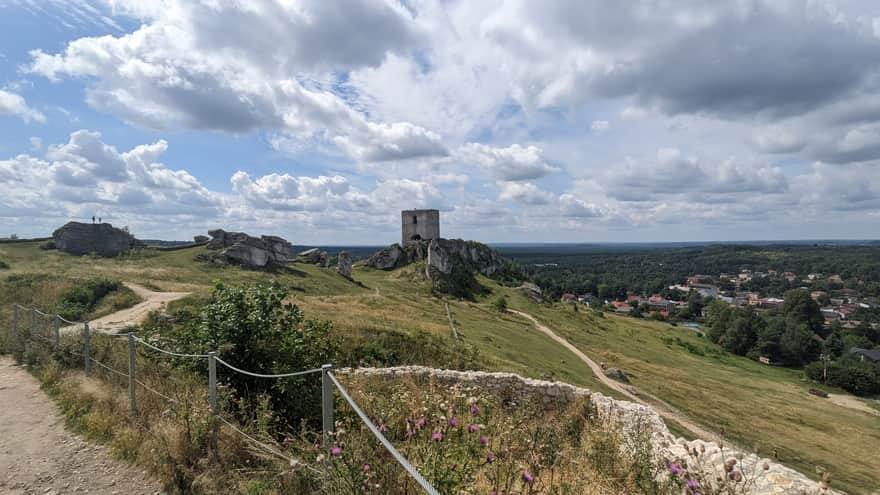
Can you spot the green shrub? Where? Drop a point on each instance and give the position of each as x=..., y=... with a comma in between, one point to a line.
x=84, y=297
x=854, y=377
x=3, y=264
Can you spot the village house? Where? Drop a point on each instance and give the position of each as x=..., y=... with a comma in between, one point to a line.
x=866, y=354
x=568, y=297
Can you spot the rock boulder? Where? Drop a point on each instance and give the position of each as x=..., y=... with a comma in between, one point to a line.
x=100, y=238
x=344, y=264
x=251, y=252
x=315, y=256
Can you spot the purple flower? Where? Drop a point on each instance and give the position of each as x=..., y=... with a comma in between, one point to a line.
x=453, y=422
x=490, y=457
x=336, y=452
x=472, y=428
x=527, y=477
x=383, y=428
x=692, y=484
x=675, y=469
x=420, y=422
x=366, y=468
x=475, y=409
x=484, y=440
x=410, y=434
x=436, y=436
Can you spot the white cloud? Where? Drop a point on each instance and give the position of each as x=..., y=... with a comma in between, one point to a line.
x=513, y=163
x=600, y=125
x=13, y=104
x=36, y=143
x=523, y=192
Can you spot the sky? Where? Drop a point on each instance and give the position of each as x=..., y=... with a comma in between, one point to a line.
x=521, y=121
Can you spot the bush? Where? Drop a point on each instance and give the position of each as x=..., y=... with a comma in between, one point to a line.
x=252, y=328
x=857, y=378
x=500, y=304
x=82, y=298
x=3, y=264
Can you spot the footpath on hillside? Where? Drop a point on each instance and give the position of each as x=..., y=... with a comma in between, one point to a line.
x=152, y=301
x=663, y=409
x=37, y=455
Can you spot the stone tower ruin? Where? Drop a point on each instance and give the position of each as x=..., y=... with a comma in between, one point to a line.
x=419, y=225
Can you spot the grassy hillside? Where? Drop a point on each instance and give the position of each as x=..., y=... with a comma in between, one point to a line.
x=756, y=405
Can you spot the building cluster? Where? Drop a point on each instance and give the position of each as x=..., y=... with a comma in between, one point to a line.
x=837, y=304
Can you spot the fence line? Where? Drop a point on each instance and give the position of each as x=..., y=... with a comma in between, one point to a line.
x=260, y=375
x=328, y=380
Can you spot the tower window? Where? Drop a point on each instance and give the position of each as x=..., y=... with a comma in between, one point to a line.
x=415, y=219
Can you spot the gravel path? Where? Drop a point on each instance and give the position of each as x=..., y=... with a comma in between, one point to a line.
x=37, y=455
x=152, y=301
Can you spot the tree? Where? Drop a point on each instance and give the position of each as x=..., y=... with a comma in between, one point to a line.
x=718, y=315
x=798, y=344
x=500, y=304
x=741, y=334
x=833, y=346
x=768, y=337
x=800, y=309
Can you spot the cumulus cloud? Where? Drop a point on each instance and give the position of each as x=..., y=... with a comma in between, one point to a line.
x=14, y=104
x=600, y=125
x=513, y=163
x=523, y=192
x=86, y=174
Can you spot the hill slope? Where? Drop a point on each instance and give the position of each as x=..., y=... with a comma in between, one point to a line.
x=755, y=405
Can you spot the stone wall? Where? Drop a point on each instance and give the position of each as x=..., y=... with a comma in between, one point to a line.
x=419, y=225
x=772, y=478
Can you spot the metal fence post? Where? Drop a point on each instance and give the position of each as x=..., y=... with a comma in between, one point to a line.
x=326, y=405
x=131, y=378
x=212, y=381
x=57, y=331
x=87, y=364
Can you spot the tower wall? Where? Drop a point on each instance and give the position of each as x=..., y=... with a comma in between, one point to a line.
x=419, y=224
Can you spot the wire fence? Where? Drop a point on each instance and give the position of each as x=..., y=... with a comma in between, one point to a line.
x=329, y=384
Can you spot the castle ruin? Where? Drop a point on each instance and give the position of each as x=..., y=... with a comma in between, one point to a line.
x=419, y=225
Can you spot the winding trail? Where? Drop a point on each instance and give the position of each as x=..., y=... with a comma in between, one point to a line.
x=663, y=409
x=152, y=301
x=37, y=456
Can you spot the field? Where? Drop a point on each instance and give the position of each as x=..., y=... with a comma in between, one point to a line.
x=755, y=405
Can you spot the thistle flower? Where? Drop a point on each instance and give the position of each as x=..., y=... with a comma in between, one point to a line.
x=420, y=422
x=336, y=452
x=475, y=410
x=453, y=422
x=675, y=468
x=527, y=477
x=382, y=427
x=484, y=440
x=490, y=457
x=692, y=484
x=366, y=468
x=436, y=436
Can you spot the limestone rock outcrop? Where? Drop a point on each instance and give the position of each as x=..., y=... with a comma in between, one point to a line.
x=617, y=374
x=343, y=264
x=315, y=256
x=102, y=239
x=251, y=252
x=770, y=477
x=450, y=263
x=201, y=239
x=532, y=291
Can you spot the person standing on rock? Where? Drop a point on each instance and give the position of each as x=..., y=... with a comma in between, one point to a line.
x=93, y=218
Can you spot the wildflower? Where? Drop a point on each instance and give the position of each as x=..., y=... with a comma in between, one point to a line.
x=453, y=422
x=410, y=434
x=436, y=436
x=320, y=458
x=472, y=428
x=527, y=477
x=336, y=452
x=490, y=457
x=475, y=410
x=484, y=440
x=692, y=484
x=675, y=468
x=382, y=427
x=420, y=422
x=366, y=468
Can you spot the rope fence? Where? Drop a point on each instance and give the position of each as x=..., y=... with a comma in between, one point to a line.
x=329, y=386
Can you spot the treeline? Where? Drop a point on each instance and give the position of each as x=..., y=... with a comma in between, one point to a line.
x=796, y=336
x=611, y=272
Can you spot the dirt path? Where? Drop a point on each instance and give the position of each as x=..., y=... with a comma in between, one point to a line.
x=37, y=456
x=852, y=402
x=136, y=314
x=663, y=409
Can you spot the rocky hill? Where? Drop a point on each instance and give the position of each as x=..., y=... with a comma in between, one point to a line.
x=451, y=264
x=238, y=248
